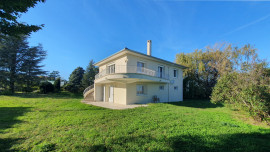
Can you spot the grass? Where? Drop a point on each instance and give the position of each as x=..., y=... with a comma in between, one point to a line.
x=59, y=122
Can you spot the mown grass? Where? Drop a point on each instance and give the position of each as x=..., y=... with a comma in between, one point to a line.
x=60, y=122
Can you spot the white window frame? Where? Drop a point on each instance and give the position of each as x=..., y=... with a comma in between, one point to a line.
x=110, y=71
x=161, y=87
x=142, y=90
x=176, y=73
x=161, y=75
x=141, y=69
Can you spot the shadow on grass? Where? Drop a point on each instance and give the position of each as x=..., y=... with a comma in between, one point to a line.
x=7, y=143
x=62, y=95
x=196, y=104
x=228, y=142
x=8, y=116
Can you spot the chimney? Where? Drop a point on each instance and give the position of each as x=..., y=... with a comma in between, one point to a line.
x=149, y=49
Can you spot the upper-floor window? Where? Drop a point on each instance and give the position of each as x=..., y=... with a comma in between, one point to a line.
x=140, y=67
x=161, y=72
x=175, y=73
x=111, y=68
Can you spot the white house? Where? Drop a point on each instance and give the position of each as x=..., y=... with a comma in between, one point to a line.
x=130, y=77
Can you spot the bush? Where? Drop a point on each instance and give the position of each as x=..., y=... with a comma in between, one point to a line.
x=46, y=87
x=57, y=84
x=249, y=91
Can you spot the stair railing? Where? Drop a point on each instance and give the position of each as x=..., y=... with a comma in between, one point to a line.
x=88, y=88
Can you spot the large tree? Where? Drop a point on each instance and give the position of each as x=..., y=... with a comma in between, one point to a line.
x=19, y=62
x=89, y=75
x=75, y=81
x=206, y=66
x=31, y=67
x=10, y=11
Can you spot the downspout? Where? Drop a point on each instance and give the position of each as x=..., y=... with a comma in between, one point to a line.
x=169, y=84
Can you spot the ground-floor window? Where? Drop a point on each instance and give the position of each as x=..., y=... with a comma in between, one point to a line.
x=161, y=87
x=140, y=89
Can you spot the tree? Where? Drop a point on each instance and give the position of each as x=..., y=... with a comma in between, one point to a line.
x=30, y=69
x=204, y=68
x=89, y=75
x=53, y=75
x=18, y=62
x=10, y=11
x=57, y=85
x=75, y=81
x=11, y=58
x=46, y=87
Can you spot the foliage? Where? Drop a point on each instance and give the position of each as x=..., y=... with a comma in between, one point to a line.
x=248, y=90
x=74, y=84
x=46, y=87
x=60, y=122
x=155, y=99
x=206, y=66
x=11, y=10
x=89, y=75
x=57, y=85
x=53, y=75
x=20, y=63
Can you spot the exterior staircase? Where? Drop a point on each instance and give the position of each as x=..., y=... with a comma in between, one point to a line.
x=88, y=94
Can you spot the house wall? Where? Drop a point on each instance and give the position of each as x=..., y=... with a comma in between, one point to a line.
x=120, y=95
x=168, y=94
x=126, y=93
x=120, y=64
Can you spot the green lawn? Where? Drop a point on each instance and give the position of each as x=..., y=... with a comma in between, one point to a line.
x=62, y=123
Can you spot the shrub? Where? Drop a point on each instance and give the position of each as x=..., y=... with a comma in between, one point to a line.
x=46, y=87
x=249, y=91
x=56, y=84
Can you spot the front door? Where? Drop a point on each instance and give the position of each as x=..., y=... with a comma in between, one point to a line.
x=111, y=94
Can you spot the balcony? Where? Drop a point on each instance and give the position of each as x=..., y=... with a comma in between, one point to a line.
x=123, y=69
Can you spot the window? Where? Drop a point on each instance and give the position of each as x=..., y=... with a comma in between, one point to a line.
x=111, y=68
x=161, y=87
x=175, y=87
x=161, y=72
x=140, y=67
x=140, y=89
x=175, y=73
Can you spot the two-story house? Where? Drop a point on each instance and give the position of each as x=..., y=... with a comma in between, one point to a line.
x=130, y=77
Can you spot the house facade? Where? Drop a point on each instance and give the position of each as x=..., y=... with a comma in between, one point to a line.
x=129, y=77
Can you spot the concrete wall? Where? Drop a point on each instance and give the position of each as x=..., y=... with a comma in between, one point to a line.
x=120, y=65
x=120, y=95
x=174, y=95
x=127, y=93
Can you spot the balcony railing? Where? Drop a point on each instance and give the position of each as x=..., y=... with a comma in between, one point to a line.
x=130, y=69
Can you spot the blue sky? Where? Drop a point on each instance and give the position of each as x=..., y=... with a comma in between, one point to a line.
x=77, y=31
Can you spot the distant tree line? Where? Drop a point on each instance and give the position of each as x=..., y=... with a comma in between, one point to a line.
x=228, y=74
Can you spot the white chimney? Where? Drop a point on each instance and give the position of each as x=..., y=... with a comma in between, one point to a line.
x=149, y=49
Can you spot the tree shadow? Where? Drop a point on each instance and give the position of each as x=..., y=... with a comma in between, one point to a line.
x=8, y=116
x=197, y=104
x=7, y=143
x=188, y=143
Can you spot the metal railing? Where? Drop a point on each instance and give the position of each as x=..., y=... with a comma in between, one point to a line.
x=130, y=69
x=88, y=88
